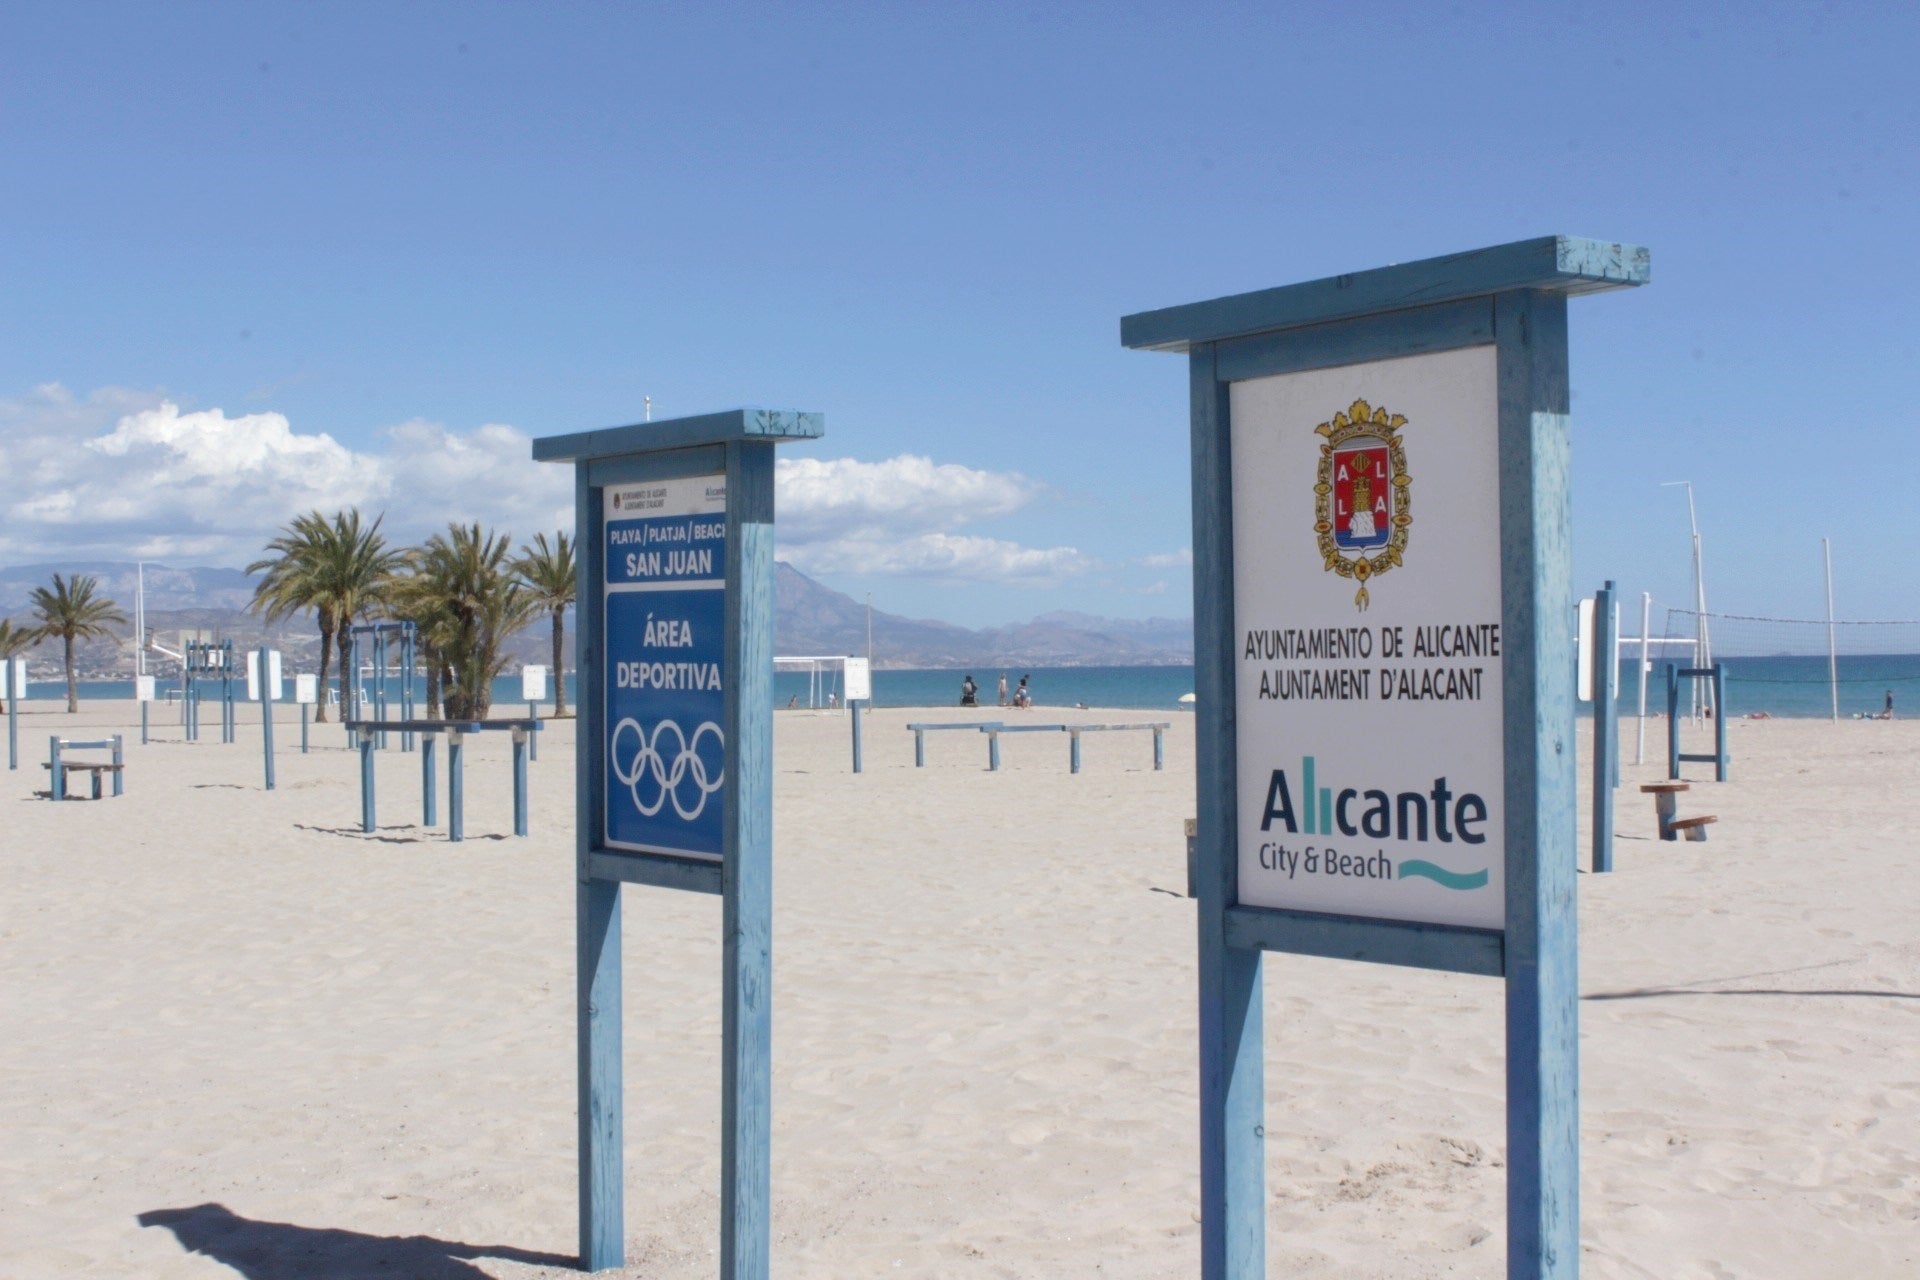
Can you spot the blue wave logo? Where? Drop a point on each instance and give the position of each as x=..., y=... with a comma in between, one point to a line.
x=1441, y=876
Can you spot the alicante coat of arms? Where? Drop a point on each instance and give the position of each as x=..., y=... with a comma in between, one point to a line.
x=1362, y=499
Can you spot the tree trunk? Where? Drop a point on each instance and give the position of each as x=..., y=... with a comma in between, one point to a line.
x=343, y=644
x=73, y=685
x=559, y=680
x=326, y=656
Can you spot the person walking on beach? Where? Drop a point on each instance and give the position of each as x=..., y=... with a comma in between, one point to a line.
x=1003, y=688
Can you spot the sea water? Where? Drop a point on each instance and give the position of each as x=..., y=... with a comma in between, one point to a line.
x=1778, y=686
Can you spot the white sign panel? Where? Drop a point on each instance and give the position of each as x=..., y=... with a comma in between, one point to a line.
x=1366, y=546
x=16, y=671
x=275, y=691
x=143, y=688
x=1584, y=640
x=306, y=689
x=533, y=683
x=859, y=680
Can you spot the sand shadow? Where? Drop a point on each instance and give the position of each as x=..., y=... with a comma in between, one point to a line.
x=355, y=833
x=1648, y=993
x=283, y=1251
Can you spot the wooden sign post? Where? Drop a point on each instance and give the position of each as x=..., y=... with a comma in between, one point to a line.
x=674, y=525
x=1383, y=632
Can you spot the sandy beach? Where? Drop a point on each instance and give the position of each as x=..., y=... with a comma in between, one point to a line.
x=240, y=1037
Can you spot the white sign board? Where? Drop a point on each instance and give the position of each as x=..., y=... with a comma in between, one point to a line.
x=16, y=669
x=143, y=688
x=306, y=689
x=275, y=689
x=1369, y=697
x=533, y=683
x=859, y=680
x=1584, y=641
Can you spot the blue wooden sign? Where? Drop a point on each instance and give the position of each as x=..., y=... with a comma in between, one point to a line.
x=674, y=521
x=1383, y=663
x=665, y=605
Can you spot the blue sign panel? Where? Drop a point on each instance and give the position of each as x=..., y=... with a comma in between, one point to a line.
x=665, y=602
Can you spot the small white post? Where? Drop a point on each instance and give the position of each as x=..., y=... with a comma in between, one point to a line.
x=1833, y=654
x=1646, y=615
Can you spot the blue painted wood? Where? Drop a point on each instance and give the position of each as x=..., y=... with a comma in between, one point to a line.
x=993, y=746
x=1233, y=1210
x=456, y=786
x=660, y=870
x=1606, y=740
x=919, y=748
x=1673, y=722
x=602, y=1122
x=1719, y=724
x=429, y=814
x=1398, y=942
x=1159, y=750
x=1415, y=331
x=13, y=733
x=58, y=781
x=640, y=468
x=366, y=782
x=533, y=713
x=740, y=443
x=1542, y=1006
x=303, y=728
x=520, y=740
x=601, y=1084
x=746, y=1087
x=853, y=708
x=766, y=425
x=1073, y=754
x=1560, y=265
x=143, y=724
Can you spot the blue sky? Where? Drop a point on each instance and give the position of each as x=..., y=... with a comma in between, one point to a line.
x=263, y=257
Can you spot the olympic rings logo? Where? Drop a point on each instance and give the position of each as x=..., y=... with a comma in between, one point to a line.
x=673, y=771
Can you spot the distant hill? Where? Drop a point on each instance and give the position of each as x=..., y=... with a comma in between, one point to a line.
x=809, y=619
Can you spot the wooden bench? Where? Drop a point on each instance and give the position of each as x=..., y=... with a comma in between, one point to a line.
x=1666, y=811
x=59, y=769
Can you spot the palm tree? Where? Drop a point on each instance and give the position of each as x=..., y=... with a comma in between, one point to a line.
x=357, y=573
x=72, y=612
x=294, y=582
x=465, y=601
x=13, y=642
x=549, y=575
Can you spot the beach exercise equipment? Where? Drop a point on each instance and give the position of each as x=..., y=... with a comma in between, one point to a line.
x=1301, y=536
x=361, y=690
x=203, y=662
x=59, y=766
x=1666, y=812
x=994, y=728
x=1715, y=675
x=858, y=674
x=674, y=524
x=13, y=674
x=367, y=731
x=921, y=730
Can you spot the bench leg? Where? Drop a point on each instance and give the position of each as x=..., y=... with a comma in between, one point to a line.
x=366, y=784
x=1696, y=833
x=96, y=784
x=1159, y=751
x=993, y=752
x=1075, y=754
x=521, y=749
x=456, y=777
x=919, y=749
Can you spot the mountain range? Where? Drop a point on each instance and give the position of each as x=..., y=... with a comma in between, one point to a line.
x=810, y=619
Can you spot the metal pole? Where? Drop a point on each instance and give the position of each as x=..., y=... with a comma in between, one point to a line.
x=854, y=706
x=266, y=711
x=1833, y=654
x=1640, y=736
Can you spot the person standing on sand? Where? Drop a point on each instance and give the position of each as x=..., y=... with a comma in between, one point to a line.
x=1888, y=713
x=1003, y=688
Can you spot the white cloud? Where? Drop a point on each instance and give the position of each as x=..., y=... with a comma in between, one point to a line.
x=1167, y=560
x=127, y=474
x=898, y=517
